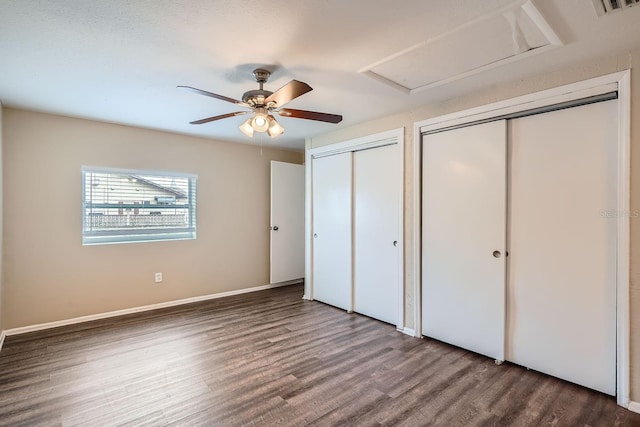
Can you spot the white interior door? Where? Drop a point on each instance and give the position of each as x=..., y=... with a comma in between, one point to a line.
x=331, y=242
x=464, y=237
x=377, y=232
x=287, y=222
x=562, y=277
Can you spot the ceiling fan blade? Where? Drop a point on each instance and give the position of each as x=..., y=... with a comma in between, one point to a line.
x=310, y=115
x=212, y=95
x=214, y=118
x=288, y=92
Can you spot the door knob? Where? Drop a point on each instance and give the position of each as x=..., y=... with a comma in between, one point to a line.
x=497, y=254
x=274, y=228
x=395, y=243
x=315, y=235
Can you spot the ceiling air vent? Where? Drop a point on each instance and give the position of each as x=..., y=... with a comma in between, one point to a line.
x=605, y=7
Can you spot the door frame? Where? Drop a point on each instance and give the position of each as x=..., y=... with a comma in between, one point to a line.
x=391, y=137
x=621, y=82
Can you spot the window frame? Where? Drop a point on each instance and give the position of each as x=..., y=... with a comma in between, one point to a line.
x=116, y=236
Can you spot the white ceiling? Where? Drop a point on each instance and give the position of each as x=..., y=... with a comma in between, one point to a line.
x=120, y=60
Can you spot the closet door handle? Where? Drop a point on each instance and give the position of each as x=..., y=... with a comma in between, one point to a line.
x=497, y=254
x=395, y=243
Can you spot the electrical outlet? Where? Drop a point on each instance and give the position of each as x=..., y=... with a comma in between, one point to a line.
x=158, y=277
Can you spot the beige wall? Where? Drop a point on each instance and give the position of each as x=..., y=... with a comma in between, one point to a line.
x=50, y=276
x=501, y=92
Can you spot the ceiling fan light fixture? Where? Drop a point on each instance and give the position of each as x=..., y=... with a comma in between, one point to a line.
x=246, y=127
x=275, y=129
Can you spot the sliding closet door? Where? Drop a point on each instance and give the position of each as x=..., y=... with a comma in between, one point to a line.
x=377, y=232
x=562, y=280
x=332, y=230
x=464, y=223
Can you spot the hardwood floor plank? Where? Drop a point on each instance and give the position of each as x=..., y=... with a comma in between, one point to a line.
x=271, y=359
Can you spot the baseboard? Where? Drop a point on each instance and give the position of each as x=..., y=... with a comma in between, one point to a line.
x=634, y=407
x=2, y=335
x=407, y=331
x=81, y=319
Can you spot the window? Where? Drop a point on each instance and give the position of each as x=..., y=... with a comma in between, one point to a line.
x=133, y=206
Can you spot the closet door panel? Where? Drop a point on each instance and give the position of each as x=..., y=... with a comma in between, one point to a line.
x=332, y=202
x=562, y=278
x=464, y=237
x=376, y=228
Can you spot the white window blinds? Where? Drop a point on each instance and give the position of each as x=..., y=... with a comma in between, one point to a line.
x=132, y=206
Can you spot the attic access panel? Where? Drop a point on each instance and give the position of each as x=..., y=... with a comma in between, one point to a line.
x=490, y=41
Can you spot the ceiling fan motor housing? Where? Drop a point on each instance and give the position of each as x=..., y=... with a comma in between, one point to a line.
x=255, y=97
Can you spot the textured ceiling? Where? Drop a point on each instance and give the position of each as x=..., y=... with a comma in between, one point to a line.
x=120, y=60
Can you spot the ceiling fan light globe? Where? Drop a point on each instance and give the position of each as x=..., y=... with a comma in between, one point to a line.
x=246, y=128
x=259, y=123
x=275, y=129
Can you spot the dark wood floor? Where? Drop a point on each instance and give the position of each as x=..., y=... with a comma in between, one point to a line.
x=270, y=358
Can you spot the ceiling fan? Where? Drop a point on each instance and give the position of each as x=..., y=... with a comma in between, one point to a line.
x=263, y=103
